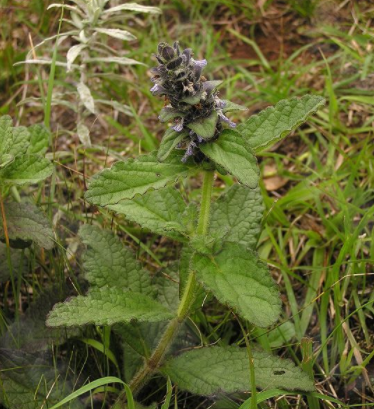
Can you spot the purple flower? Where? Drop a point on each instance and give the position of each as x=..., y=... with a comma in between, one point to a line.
x=225, y=119
x=200, y=63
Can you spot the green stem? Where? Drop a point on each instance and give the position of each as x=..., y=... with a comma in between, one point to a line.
x=155, y=360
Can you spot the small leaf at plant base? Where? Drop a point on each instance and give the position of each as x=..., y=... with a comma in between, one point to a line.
x=274, y=123
x=107, y=306
x=236, y=216
x=86, y=97
x=18, y=263
x=107, y=262
x=169, y=141
x=232, y=153
x=158, y=210
x=207, y=371
x=238, y=278
x=26, y=222
x=126, y=179
x=26, y=169
x=39, y=139
x=205, y=127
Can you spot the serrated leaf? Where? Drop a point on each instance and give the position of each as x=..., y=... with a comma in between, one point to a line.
x=231, y=106
x=13, y=140
x=26, y=222
x=236, y=216
x=207, y=371
x=238, y=278
x=116, y=33
x=232, y=152
x=274, y=123
x=107, y=262
x=29, y=381
x=159, y=211
x=39, y=139
x=133, y=7
x=73, y=53
x=126, y=179
x=18, y=263
x=205, y=127
x=169, y=141
x=107, y=306
x=86, y=97
x=27, y=169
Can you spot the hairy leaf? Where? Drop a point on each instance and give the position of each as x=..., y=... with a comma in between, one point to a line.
x=126, y=179
x=158, y=210
x=86, y=97
x=232, y=152
x=18, y=263
x=117, y=33
x=29, y=381
x=205, y=127
x=274, y=123
x=169, y=141
x=108, y=262
x=73, y=53
x=133, y=7
x=236, y=216
x=107, y=306
x=238, y=278
x=39, y=139
x=231, y=106
x=13, y=140
x=207, y=371
x=27, y=169
x=26, y=222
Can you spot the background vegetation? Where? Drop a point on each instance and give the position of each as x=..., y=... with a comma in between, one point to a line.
x=317, y=184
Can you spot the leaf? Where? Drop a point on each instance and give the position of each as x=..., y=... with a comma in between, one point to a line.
x=27, y=169
x=18, y=263
x=237, y=277
x=29, y=381
x=86, y=97
x=13, y=140
x=231, y=106
x=73, y=53
x=168, y=113
x=281, y=334
x=107, y=306
x=133, y=7
x=117, y=33
x=205, y=127
x=39, y=139
x=107, y=262
x=126, y=179
x=26, y=222
x=117, y=60
x=232, y=152
x=210, y=370
x=84, y=135
x=236, y=216
x=274, y=123
x=159, y=211
x=169, y=141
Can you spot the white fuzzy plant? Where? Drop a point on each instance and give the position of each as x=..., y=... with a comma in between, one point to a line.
x=93, y=23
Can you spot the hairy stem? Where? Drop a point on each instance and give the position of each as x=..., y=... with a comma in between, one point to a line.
x=155, y=360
